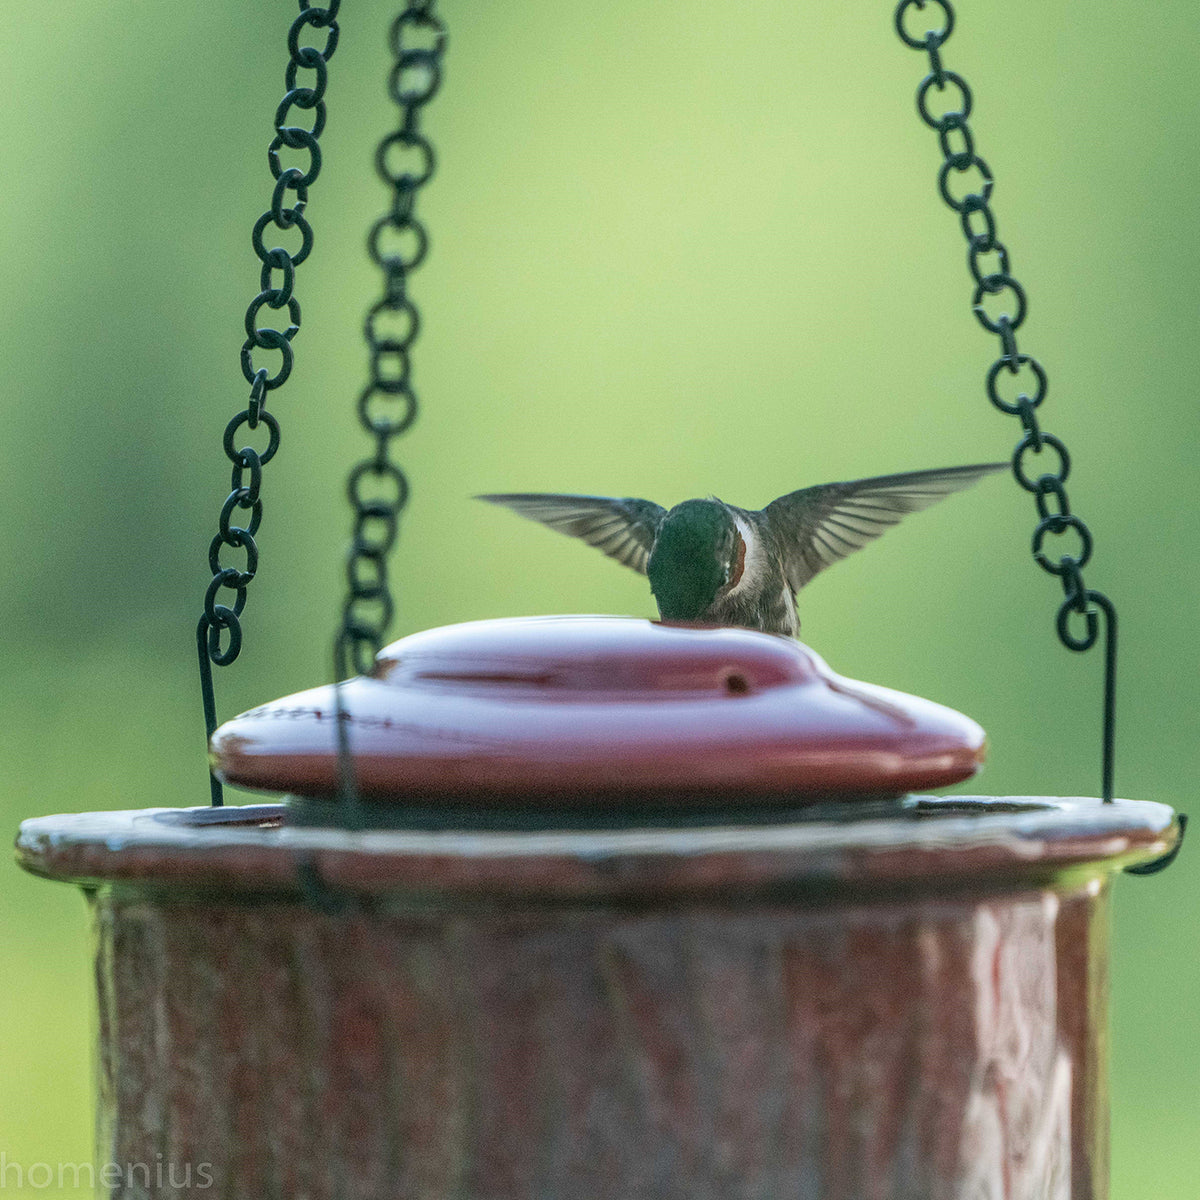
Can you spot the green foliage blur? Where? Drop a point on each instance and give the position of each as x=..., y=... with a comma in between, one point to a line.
x=677, y=249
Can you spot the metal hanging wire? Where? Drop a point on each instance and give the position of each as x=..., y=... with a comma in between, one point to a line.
x=387, y=406
x=989, y=265
x=286, y=212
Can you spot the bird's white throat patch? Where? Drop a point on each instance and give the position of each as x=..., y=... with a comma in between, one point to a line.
x=755, y=558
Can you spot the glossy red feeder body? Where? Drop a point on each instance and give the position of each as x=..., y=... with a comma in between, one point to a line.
x=578, y=708
x=762, y=976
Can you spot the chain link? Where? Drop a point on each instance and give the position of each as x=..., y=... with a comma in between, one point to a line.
x=944, y=103
x=387, y=406
x=277, y=282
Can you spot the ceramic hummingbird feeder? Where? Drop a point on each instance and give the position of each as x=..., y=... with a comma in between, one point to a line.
x=627, y=911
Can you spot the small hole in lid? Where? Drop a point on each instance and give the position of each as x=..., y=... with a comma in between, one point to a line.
x=736, y=684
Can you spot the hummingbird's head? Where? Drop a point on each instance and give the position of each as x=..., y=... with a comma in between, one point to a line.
x=695, y=555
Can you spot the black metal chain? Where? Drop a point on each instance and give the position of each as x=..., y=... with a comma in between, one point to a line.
x=275, y=293
x=387, y=405
x=989, y=264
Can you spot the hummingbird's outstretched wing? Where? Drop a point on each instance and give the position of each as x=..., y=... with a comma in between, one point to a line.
x=816, y=526
x=623, y=529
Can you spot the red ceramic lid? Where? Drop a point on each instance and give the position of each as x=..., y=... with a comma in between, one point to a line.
x=571, y=710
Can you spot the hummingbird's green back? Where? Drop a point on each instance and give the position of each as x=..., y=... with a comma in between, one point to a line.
x=689, y=562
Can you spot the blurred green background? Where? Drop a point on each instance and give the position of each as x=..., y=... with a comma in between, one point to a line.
x=677, y=249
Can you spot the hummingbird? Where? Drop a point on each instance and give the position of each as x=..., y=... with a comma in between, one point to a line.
x=715, y=563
